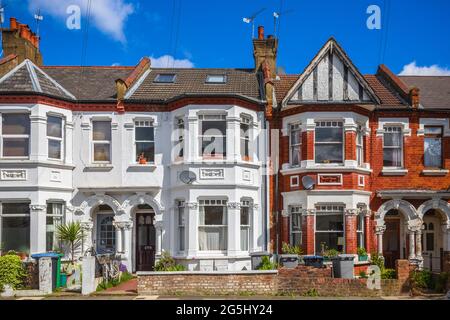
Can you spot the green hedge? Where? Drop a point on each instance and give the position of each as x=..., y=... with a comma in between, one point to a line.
x=12, y=271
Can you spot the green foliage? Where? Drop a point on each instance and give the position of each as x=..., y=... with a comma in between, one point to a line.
x=266, y=264
x=311, y=293
x=377, y=260
x=71, y=234
x=361, y=251
x=363, y=275
x=331, y=253
x=441, y=282
x=124, y=277
x=388, y=274
x=168, y=263
x=12, y=271
x=290, y=249
x=422, y=279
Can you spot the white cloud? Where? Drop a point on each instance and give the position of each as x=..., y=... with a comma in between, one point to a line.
x=109, y=16
x=168, y=61
x=115, y=64
x=434, y=70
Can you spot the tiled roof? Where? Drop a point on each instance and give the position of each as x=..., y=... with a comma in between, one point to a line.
x=27, y=77
x=89, y=83
x=434, y=90
x=243, y=82
x=387, y=96
x=282, y=85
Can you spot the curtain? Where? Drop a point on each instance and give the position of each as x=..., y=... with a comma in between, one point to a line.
x=244, y=238
x=433, y=152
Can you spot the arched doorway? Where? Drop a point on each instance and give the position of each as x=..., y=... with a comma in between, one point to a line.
x=145, y=238
x=391, y=237
x=432, y=244
x=105, y=233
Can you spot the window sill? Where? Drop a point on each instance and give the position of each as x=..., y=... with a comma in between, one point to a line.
x=99, y=167
x=142, y=167
x=394, y=172
x=435, y=172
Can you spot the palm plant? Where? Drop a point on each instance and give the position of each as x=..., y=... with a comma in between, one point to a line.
x=72, y=234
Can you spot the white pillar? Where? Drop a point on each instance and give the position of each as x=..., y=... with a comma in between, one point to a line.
x=192, y=229
x=37, y=228
x=234, y=138
x=158, y=227
x=379, y=232
x=234, y=229
x=419, y=244
x=119, y=248
x=412, y=249
x=87, y=227
x=68, y=146
x=38, y=136
x=446, y=237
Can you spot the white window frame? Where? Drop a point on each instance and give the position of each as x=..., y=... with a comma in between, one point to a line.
x=295, y=210
x=209, y=78
x=360, y=229
x=246, y=120
x=214, y=202
x=212, y=117
x=144, y=123
x=180, y=127
x=333, y=124
x=94, y=142
x=330, y=209
x=13, y=216
x=181, y=225
x=360, y=146
x=441, y=138
x=16, y=136
x=388, y=129
x=62, y=216
x=246, y=203
x=295, y=127
x=59, y=139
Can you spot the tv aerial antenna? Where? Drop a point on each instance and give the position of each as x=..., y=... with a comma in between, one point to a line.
x=38, y=17
x=276, y=18
x=251, y=20
x=2, y=20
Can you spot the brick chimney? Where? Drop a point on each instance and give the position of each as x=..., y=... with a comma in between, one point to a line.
x=19, y=40
x=414, y=94
x=265, y=49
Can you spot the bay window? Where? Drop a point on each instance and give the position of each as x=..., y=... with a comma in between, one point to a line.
x=213, y=138
x=295, y=225
x=101, y=140
x=212, y=225
x=329, y=137
x=245, y=225
x=359, y=146
x=15, y=224
x=181, y=225
x=295, y=143
x=329, y=228
x=393, y=147
x=54, y=137
x=144, y=136
x=245, y=138
x=15, y=135
x=55, y=218
x=433, y=147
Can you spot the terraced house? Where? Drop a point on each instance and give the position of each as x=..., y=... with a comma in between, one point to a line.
x=152, y=159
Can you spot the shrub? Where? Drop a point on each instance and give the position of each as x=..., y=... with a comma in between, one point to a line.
x=266, y=264
x=377, y=260
x=12, y=271
x=289, y=249
x=422, y=279
x=361, y=251
x=441, y=282
x=331, y=253
x=311, y=293
x=168, y=263
x=388, y=274
x=363, y=275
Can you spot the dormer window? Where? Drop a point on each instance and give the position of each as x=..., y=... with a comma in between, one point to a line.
x=216, y=78
x=165, y=78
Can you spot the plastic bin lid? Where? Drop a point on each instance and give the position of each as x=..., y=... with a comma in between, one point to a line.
x=46, y=255
x=345, y=257
x=312, y=257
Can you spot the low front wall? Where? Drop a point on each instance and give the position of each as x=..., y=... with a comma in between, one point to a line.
x=299, y=281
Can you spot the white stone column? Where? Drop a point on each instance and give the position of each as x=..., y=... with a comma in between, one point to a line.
x=412, y=248
x=119, y=248
x=38, y=137
x=419, y=244
x=446, y=237
x=234, y=138
x=379, y=232
x=87, y=227
x=68, y=143
x=234, y=228
x=158, y=227
x=38, y=226
x=127, y=244
x=192, y=229
x=192, y=143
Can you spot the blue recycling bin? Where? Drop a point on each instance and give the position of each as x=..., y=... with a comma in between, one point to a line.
x=56, y=266
x=313, y=261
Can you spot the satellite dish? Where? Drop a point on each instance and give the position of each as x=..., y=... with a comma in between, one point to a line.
x=308, y=182
x=188, y=177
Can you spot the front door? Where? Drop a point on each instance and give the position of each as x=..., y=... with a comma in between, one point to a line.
x=145, y=242
x=430, y=244
x=391, y=242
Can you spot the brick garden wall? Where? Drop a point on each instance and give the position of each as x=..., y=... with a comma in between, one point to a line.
x=297, y=281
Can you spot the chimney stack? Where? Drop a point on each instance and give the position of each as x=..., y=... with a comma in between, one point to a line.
x=261, y=33
x=21, y=41
x=414, y=93
x=265, y=50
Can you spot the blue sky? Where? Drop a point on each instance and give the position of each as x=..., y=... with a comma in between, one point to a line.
x=414, y=33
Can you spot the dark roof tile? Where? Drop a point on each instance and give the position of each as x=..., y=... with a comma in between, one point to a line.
x=434, y=90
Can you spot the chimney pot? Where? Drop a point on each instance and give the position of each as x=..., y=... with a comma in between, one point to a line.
x=13, y=24
x=261, y=33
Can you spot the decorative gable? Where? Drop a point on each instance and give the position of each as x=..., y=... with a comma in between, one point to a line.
x=331, y=78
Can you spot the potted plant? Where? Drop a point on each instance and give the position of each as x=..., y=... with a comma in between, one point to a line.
x=362, y=254
x=329, y=254
x=142, y=159
x=290, y=255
